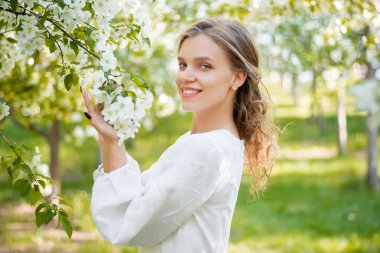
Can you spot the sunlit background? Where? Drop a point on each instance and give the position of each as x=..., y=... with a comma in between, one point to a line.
x=321, y=67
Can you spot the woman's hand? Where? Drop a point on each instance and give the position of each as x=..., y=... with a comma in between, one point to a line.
x=105, y=131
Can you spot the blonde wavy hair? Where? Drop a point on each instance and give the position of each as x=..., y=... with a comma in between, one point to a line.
x=251, y=112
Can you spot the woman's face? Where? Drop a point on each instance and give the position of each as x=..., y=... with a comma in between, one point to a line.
x=205, y=76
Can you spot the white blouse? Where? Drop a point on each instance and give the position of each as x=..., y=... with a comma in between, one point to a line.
x=183, y=203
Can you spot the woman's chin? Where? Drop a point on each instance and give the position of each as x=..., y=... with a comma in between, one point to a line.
x=187, y=108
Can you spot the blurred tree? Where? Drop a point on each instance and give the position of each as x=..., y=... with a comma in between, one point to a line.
x=39, y=102
x=359, y=23
x=344, y=36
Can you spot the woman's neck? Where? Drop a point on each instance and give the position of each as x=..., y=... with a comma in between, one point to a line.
x=214, y=119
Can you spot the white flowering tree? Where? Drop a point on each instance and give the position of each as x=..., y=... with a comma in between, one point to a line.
x=356, y=25
x=333, y=36
x=48, y=45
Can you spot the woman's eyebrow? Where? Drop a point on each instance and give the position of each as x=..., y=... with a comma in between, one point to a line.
x=200, y=58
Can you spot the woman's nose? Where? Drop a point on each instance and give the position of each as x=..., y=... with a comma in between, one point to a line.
x=187, y=75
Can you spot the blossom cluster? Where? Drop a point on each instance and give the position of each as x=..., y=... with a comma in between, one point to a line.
x=87, y=22
x=83, y=35
x=4, y=110
x=41, y=168
x=121, y=111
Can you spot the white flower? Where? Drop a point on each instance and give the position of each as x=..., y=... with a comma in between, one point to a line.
x=100, y=96
x=108, y=60
x=125, y=105
x=36, y=159
x=110, y=113
x=124, y=115
x=4, y=111
x=42, y=168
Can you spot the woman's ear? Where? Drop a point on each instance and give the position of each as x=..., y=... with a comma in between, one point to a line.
x=238, y=80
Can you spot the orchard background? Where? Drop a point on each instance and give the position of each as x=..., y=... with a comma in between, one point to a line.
x=320, y=64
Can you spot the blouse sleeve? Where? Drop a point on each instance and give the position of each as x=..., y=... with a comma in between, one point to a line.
x=129, y=212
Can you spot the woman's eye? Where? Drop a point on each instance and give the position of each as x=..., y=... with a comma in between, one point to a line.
x=205, y=66
x=181, y=65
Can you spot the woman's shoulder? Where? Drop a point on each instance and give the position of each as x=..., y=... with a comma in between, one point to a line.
x=221, y=135
x=215, y=140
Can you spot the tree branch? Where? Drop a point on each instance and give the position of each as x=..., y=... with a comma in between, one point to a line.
x=56, y=42
x=53, y=23
x=29, y=127
x=7, y=31
x=73, y=39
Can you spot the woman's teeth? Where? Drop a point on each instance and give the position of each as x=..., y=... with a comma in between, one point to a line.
x=191, y=91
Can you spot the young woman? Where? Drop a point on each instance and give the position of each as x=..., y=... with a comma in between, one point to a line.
x=184, y=203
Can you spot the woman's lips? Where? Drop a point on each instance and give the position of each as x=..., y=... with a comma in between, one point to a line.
x=189, y=93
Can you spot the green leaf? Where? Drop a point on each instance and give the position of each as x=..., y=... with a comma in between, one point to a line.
x=42, y=183
x=74, y=47
x=6, y=162
x=48, y=42
x=71, y=79
x=89, y=8
x=68, y=81
x=16, y=162
x=25, y=168
x=15, y=167
x=129, y=93
x=65, y=41
x=61, y=3
x=10, y=172
x=107, y=74
x=14, y=5
x=24, y=151
x=140, y=82
x=75, y=78
x=40, y=207
x=147, y=41
x=43, y=216
x=48, y=216
x=63, y=212
x=34, y=195
x=39, y=218
x=46, y=177
x=62, y=217
x=11, y=40
x=52, y=47
x=88, y=67
x=56, y=37
x=63, y=202
x=23, y=186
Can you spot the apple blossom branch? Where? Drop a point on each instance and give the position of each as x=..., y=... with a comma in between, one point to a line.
x=31, y=13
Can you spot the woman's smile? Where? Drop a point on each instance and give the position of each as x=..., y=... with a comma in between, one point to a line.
x=189, y=92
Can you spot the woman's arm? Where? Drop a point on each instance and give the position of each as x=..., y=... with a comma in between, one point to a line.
x=113, y=155
x=130, y=211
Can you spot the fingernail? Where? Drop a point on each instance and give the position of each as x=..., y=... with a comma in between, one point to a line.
x=87, y=115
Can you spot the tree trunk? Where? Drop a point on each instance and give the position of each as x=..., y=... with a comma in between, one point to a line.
x=316, y=107
x=53, y=140
x=313, y=104
x=342, y=119
x=372, y=178
x=295, y=90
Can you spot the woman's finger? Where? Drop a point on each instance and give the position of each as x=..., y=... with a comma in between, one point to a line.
x=87, y=102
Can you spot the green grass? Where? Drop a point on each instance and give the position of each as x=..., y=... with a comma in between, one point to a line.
x=316, y=202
